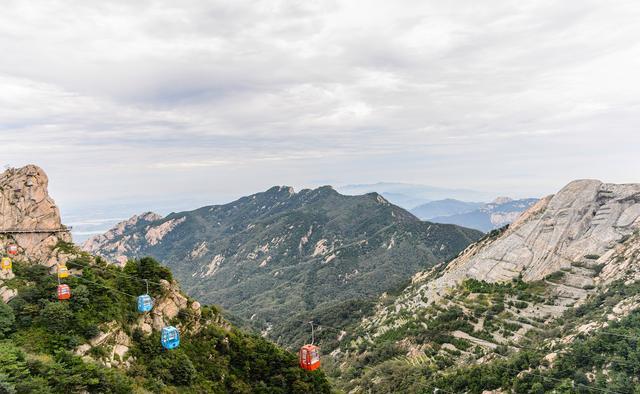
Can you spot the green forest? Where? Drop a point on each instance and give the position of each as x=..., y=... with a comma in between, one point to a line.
x=39, y=334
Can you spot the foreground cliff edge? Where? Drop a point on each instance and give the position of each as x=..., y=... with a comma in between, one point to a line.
x=97, y=341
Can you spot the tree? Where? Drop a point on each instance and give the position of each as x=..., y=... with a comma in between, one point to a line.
x=7, y=319
x=56, y=316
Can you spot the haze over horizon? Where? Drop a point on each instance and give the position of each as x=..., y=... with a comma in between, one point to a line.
x=153, y=101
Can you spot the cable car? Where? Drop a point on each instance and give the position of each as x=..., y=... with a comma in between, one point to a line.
x=64, y=292
x=170, y=338
x=12, y=249
x=63, y=271
x=309, y=357
x=145, y=303
x=5, y=263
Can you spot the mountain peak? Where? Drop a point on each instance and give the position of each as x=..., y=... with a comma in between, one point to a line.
x=281, y=189
x=502, y=200
x=29, y=217
x=242, y=254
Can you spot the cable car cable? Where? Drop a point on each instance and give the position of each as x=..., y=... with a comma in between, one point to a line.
x=119, y=273
x=105, y=286
x=183, y=311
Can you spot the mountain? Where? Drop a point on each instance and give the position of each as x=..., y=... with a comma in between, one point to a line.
x=446, y=207
x=409, y=195
x=487, y=217
x=97, y=341
x=550, y=303
x=401, y=200
x=29, y=217
x=281, y=255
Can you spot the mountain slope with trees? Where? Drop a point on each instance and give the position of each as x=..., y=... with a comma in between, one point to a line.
x=551, y=302
x=279, y=257
x=52, y=346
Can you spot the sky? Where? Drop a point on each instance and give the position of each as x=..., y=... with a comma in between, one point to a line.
x=128, y=102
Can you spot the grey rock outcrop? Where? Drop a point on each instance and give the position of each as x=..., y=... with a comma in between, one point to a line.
x=582, y=238
x=30, y=219
x=584, y=220
x=28, y=215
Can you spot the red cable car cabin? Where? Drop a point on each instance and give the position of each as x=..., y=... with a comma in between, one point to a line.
x=64, y=292
x=12, y=249
x=309, y=357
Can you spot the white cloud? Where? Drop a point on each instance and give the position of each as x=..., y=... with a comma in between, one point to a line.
x=116, y=98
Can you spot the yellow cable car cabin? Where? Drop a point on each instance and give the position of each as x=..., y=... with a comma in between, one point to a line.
x=5, y=263
x=63, y=271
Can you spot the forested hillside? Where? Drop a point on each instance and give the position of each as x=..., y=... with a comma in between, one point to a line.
x=97, y=341
x=280, y=258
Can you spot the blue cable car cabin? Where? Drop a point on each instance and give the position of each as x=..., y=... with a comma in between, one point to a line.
x=170, y=338
x=145, y=303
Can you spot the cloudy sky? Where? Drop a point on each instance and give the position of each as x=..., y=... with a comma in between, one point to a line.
x=138, y=100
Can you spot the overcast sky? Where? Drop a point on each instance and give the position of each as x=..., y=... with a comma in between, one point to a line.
x=130, y=100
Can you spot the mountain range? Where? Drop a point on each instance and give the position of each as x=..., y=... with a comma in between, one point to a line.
x=281, y=255
x=480, y=216
x=409, y=195
x=549, y=303
x=97, y=340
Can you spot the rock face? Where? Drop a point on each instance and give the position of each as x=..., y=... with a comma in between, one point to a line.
x=583, y=221
x=28, y=215
x=30, y=219
x=585, y=236
x=119, y=243
x=566, y=250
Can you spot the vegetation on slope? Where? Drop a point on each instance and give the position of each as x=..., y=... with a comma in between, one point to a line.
x=591, y=348
x=39, y=334
x=280, y=256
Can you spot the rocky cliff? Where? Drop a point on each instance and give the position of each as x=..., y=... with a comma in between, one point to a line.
x=118, y=242
x=28, y=215
x=574, y=241
x=583, y=224
x=30, y=219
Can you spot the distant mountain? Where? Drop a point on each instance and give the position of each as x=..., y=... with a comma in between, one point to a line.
x=447, y=207
x=489, y=216
x=403, y=200
x=409, y=195
x=279, y=254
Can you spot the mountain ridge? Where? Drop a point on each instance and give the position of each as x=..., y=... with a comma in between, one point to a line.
x=485, y=217
x=271, y=254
